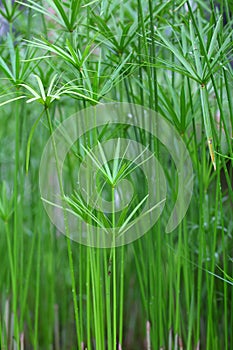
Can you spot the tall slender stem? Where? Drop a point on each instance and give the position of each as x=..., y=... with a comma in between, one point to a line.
x=70, y=254
x=114, y=270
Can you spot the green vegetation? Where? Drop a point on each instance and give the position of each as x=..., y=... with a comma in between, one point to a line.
x=163, y=291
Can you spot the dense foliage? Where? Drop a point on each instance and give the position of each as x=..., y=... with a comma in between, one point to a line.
x=163, y=291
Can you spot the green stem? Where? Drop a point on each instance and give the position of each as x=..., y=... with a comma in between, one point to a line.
x=108, y=300
x=16, y=218
x=38, y=267
x=70, y=254
x=114, y=271
x=121, y=307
